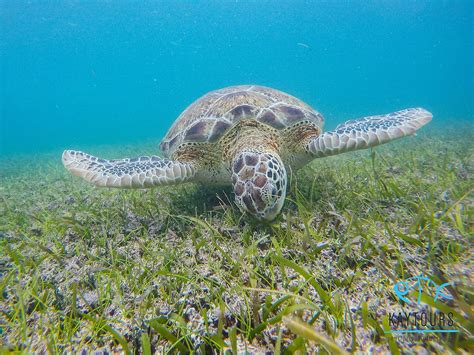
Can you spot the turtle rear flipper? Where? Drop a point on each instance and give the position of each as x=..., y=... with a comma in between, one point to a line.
x=368, y=132
x=142, y=172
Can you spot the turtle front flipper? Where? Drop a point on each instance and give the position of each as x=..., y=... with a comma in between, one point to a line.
x=142, y=172
x=368, y=132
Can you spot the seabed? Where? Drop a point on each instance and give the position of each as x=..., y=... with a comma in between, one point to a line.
x=181, y=269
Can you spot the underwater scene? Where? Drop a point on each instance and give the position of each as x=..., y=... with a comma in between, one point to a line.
x=236, y=176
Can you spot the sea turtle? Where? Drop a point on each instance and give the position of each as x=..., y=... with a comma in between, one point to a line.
x=250, y=136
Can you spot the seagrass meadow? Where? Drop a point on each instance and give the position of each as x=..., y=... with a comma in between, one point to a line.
x=180, y=269
x=373, y=250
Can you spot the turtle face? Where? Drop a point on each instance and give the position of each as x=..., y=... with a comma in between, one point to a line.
x=259, y=180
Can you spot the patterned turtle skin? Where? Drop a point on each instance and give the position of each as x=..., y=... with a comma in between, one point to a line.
x=250, y=136
x=212, y=115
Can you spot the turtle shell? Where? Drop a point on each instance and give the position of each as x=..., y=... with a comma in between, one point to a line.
x=212, y=115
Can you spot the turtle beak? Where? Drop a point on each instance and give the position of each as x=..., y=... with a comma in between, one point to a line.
x=264, y=203
x=275, y=199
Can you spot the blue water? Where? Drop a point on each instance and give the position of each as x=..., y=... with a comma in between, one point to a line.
x=76, y=74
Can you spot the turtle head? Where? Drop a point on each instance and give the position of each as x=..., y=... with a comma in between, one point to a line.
x=259, y=180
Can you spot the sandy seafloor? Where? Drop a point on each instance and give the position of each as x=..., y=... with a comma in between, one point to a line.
x=88, y=268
